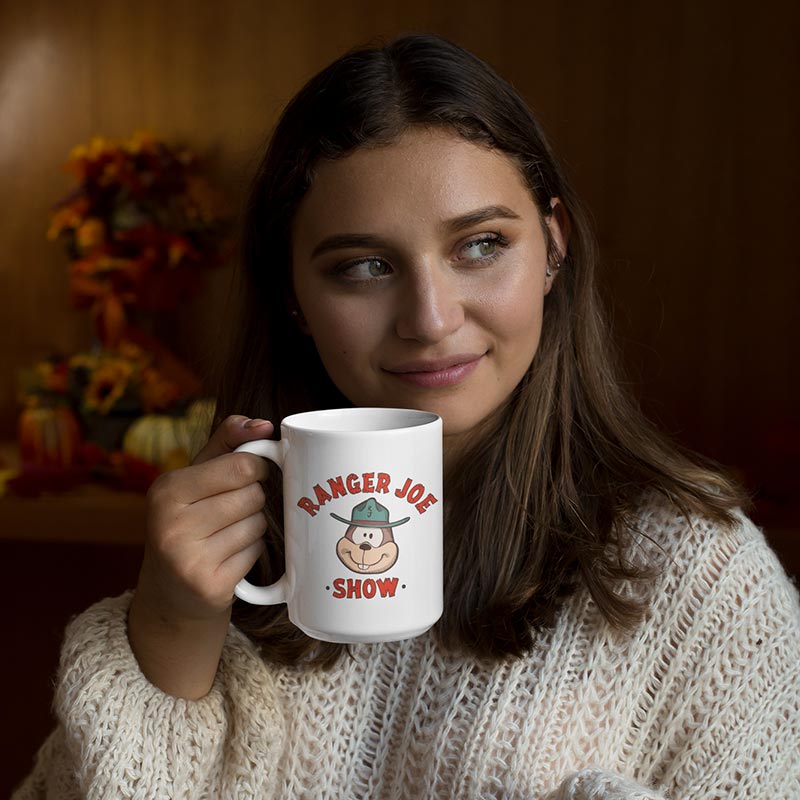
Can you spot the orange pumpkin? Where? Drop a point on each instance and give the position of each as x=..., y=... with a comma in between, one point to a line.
x=48, y=436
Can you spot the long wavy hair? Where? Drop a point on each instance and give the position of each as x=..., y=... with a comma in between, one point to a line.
x=546, y=500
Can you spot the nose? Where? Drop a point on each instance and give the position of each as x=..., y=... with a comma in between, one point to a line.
x=366, y=546
x=431, y=306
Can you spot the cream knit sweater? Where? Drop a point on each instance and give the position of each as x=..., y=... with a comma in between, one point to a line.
x=700, y=702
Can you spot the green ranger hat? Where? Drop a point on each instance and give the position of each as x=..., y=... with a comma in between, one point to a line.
x=370, y=514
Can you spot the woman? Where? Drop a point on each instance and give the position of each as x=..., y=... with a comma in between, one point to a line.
x=614, y=626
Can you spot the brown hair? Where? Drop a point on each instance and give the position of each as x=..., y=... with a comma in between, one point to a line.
x=543, y=503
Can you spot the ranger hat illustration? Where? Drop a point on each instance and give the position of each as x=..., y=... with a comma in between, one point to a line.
x=370, y=514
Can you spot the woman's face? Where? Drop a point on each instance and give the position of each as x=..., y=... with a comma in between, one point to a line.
x=419, y=270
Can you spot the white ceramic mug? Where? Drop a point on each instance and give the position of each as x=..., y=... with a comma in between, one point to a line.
x=362, y=499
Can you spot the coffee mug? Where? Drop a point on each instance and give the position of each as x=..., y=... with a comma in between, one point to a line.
x=362, y=500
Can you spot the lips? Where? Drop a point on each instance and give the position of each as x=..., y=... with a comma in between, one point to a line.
x=439, y=372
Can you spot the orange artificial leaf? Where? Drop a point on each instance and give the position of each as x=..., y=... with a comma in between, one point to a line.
x=112, y=320
x=158, y=393
x=141, y=140
x=90, y=234
x=70, y=215
x=178, y=248
x=99, y=146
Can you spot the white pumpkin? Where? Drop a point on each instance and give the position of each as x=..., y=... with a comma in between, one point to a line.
x=155, y=438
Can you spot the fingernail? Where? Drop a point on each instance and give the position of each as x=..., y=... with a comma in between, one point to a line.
x=254, y=423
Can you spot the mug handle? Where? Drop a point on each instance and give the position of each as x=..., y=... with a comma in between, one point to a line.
x=276, y=592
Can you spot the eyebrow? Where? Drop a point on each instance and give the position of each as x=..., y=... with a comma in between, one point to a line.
x=342, y=241
x=478, y=216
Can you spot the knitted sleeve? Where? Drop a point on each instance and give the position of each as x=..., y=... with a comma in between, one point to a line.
x=594, y=783
x=120, y=736
x=720, y=717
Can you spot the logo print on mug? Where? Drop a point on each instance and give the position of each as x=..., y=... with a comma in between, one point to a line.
x=368, y=544
x=367, y=568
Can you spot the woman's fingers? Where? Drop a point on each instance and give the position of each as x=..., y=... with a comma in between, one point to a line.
x=206, y=569
x=238, y=536
x=205, y=524
x=210, y=515
x=216, y=469
x=226, y=473
x=238, y=564
x=232, y=432
x=220, y=561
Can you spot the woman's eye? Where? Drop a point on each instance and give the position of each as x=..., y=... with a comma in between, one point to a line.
x=364, y=270
x=484, y=249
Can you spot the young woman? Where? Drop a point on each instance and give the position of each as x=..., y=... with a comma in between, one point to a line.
x=614, y=626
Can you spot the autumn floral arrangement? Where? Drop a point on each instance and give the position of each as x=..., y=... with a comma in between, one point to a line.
x=139, y=228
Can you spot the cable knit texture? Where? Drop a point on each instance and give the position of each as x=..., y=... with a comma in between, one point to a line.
x=700, y=702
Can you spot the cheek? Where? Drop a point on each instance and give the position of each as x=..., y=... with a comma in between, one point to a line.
x=343, y=336
x=512, y=307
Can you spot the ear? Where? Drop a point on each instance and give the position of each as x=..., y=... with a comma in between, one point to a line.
x=297, y=315
x=560, y=226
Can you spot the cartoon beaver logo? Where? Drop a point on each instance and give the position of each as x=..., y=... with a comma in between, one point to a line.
x=368, y=544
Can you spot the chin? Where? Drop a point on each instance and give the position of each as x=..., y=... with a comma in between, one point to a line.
x=460, y=412
x=460, y=421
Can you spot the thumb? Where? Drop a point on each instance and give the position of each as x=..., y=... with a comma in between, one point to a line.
x=232, y=432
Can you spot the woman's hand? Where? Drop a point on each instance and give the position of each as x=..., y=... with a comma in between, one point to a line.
x=204, y=533
x=595, y=783
x=205, y=526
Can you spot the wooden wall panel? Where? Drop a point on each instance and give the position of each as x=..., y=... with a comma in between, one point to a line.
x=676, y=121
x=679, y=125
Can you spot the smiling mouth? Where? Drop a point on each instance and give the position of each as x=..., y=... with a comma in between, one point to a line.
x=362, y=565
x=432, y=376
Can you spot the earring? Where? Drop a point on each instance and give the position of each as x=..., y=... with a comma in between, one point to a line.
x=298, y=319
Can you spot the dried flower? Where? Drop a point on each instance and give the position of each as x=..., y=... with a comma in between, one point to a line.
x=107, y=384
x=100, y=381
x=138, y=228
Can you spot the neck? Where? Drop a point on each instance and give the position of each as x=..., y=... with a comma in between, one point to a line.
x=455, y=445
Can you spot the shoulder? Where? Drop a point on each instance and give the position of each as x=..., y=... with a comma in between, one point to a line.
x=712, y=667
x=678, y=540
x=704, y=564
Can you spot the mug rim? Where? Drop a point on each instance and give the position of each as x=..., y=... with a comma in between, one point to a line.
x=299, y=422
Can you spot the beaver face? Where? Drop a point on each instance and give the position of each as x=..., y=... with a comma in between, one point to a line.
x=367, y=550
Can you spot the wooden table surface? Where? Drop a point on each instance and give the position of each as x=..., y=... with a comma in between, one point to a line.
x=90, y=513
